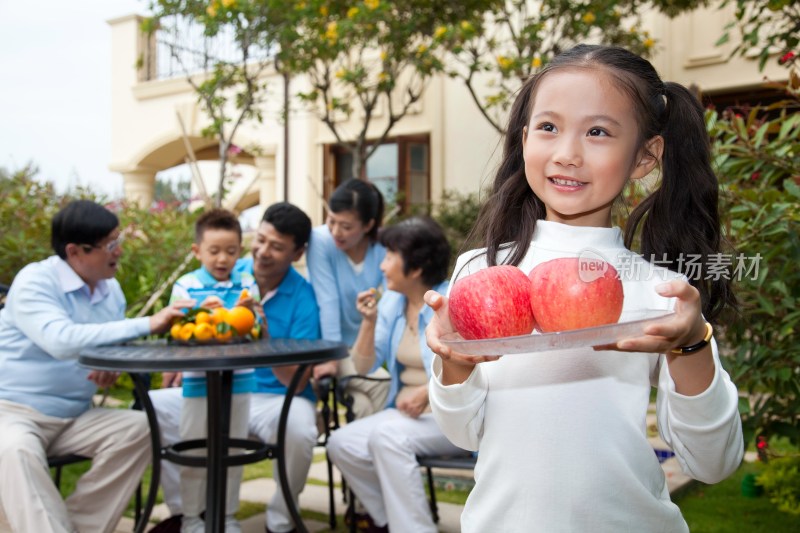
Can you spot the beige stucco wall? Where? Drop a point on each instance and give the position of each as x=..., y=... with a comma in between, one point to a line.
x=146, y=136
x=686, y=52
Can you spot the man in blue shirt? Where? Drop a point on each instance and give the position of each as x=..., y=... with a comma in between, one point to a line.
x=291, y=311
x=55, y=308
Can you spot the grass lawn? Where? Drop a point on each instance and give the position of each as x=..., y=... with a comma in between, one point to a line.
x=722, y=508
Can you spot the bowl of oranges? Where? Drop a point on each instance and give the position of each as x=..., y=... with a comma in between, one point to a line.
x=216, y=326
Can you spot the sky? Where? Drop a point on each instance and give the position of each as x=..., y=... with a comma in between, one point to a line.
x=55, y=89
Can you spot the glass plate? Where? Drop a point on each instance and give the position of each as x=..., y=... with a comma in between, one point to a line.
x=632, y=324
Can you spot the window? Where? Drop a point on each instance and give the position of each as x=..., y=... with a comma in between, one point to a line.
x=399, y=168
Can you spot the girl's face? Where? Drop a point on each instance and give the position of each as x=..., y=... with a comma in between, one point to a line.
x=392, y=268
x=347, y=229
x=580, y=146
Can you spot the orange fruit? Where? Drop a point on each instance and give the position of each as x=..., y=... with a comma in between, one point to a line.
x=255, y=331
x=223, y=332
x=175, y=330
x=244, y=294
x=202, y=318
x=242, y=319
x=219, y=316
x=204, y=332
x=186, y=332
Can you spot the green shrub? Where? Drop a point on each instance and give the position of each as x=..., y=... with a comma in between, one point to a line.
x=757, y=157
x=156, y=243
x=456, y=213
x=781, y=481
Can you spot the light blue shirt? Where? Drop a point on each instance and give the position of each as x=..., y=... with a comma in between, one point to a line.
x=292, y=313
x=50, y=315
x=336, y=284
x=389, y=329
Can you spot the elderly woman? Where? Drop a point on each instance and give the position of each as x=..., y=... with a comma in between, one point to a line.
x=376, y=454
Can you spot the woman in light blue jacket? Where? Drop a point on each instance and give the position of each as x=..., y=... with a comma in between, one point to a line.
x=377, y=454
x=344, y=258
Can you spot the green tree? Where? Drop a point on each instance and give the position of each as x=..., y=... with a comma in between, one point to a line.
x=365, y=58
x=229, y=85
x=495, y=52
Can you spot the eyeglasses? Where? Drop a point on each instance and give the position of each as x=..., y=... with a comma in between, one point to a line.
x=109, y=247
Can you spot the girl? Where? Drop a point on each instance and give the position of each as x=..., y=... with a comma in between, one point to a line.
x=344, y=259
x=377, y=454
x=562, y=435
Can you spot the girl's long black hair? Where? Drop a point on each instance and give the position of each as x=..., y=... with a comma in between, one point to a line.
x=680, y=219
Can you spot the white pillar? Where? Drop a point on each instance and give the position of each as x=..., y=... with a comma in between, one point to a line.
x=265, y=166
x=139, y=186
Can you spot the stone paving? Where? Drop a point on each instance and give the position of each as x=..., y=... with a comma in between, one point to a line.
x=315, y=496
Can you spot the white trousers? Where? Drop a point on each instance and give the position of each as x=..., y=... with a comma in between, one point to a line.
x=118, y=441
x=194, y=425
x=377, y=457
x=265, y=410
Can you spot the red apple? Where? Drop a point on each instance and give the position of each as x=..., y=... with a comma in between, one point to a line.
x=574, y=293
x=493, y=302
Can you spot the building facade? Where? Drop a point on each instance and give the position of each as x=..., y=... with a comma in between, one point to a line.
x=443, y=144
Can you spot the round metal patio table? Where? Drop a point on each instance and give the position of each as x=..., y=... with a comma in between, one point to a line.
x=218, y=362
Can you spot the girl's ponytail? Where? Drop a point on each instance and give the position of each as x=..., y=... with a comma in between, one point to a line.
x=680, y=220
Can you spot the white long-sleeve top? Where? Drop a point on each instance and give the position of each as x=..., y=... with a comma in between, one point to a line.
x=562, y=435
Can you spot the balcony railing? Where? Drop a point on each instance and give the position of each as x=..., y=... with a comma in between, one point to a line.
x=182, y=49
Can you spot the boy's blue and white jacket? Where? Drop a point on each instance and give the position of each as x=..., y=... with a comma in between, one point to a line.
x=199, y=285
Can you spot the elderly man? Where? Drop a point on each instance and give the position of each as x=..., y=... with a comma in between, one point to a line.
x=55, y=308
x=291, y=312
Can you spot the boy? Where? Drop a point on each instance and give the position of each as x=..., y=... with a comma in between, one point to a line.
x=291, y=312
x=218, y=244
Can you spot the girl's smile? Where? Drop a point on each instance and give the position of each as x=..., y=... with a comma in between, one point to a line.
x=566, y=184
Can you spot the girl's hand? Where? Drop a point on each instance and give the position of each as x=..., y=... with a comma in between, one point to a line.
x=685, y=328
x=456, y=367
x=367, y=304
x=415, y=404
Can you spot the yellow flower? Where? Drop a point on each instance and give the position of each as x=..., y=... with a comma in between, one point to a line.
x=382, y=76
x=323, y=11
x=589, y=17
x=421, y=49
x=536, y=62
x=648, y=43
x=352, y=12
x=341, y=73
x=332, y=31
x=300, y=5
x=372, y=4
x=504, y=62
x=441, y=30
x=229, y=3
x=211, y=10
x=384, y=55
x=466, y=26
